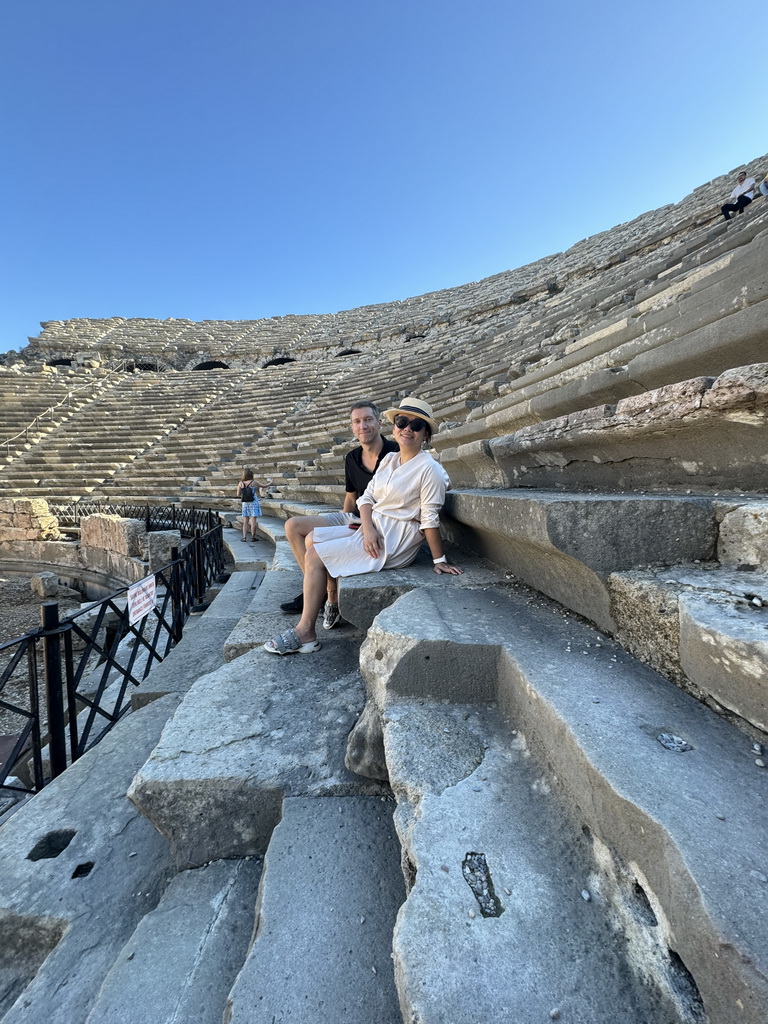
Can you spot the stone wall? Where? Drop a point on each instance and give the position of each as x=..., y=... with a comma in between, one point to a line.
x=27, y=519
x=123, y=547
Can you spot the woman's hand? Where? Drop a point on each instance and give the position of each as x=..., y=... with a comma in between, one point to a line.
x=446, y=567
x=371, y=541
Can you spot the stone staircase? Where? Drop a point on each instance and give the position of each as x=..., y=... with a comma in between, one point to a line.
x=572, y=832
x=35, y=403
x=107, y=434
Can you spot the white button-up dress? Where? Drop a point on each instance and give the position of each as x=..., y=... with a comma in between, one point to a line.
x=406, y=499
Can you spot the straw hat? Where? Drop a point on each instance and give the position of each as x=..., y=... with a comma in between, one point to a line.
x=413, y=407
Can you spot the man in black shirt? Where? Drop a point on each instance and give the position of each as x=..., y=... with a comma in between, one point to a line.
x=359, y=466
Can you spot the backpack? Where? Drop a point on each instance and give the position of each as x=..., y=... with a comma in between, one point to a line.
x=247, y=494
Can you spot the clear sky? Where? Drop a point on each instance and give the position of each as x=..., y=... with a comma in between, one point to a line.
x=235, y=159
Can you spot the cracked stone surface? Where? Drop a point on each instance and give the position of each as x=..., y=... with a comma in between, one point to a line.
x=181, y=961
x=81, y=921
x=256, y=730
x=692, y=825
x=705, y=628
x=326, y=955
x=549, y=948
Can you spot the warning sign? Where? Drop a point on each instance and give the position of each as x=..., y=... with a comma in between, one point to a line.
x=142, y=598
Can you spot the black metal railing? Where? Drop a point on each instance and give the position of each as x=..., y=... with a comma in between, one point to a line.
x=66, y=684
x=155, y=517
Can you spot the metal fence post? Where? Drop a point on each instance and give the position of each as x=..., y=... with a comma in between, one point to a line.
x=200, y=586
x=146, y=517
x=54, y=688
x=177, y=613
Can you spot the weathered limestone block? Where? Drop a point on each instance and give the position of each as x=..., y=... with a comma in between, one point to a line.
x=158, y=547
x=706, y=629
x=246, y=735
x=724, y=648
x=743, y=537
x=44, y=584
x=696, y=433
x=111, y=533
x=646, y=614
x=365, y=745
x=567, y=545
x=48, y=527
x=686, y=828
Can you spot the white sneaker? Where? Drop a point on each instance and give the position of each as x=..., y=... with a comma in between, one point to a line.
x=331, y=616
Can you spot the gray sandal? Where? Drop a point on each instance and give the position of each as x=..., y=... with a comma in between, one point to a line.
x=289, y=643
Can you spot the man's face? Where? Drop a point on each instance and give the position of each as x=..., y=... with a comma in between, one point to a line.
x=365, y=426
x=742, y=176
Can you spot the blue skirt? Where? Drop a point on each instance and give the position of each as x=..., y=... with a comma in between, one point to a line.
x=251, y=508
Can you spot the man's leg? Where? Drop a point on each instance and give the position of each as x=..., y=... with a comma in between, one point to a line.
x=727, y=209
x=742, y=202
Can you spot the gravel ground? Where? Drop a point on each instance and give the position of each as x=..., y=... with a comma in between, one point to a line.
x=19, y=613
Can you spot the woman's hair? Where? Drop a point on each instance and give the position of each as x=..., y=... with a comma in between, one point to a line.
x=247, y=474
x=427, y=432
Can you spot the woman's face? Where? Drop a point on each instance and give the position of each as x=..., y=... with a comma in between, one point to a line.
x=412, y=435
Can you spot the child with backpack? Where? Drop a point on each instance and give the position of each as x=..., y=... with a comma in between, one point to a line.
x=246, y=492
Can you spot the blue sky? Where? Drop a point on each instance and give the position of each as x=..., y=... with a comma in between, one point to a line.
x=235, y=159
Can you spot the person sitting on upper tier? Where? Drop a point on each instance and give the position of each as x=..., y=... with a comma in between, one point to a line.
x=741, y=196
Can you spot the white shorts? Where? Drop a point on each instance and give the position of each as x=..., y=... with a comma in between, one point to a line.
x=339, y=518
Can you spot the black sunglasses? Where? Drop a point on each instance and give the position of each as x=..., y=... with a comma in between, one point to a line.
x=401, y=422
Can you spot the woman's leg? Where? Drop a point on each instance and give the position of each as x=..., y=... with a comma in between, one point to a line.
x=332, y=586
x=253, y=527
x=315, y=582
x=245, y=526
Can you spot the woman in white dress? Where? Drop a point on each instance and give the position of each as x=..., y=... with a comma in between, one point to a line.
x=399, y=509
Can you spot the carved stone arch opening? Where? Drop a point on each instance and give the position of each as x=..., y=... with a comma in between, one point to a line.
x=60, y=362
x=211, y=364
x=280, y=361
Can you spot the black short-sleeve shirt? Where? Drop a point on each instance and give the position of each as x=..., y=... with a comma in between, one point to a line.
x=356, y=476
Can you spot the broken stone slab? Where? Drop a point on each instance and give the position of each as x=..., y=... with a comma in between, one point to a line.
x=743, y=536
x=566, y=545
x=181, y=961
x=361, y=598
x=257, y=729
x=702, y=433
x=263, y=619
x=79, y=868
x=496, y=925
x=704, y=628
x=688, y=821
x=724, y=651
x=328, y=899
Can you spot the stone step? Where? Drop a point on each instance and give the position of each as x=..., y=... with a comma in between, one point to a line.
x=181, y=961
x=678, y=832
x=328, y=899
x=71, y=894
x=255, y=730
x=495, y=926
x=705, y=629
x=567, y=545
